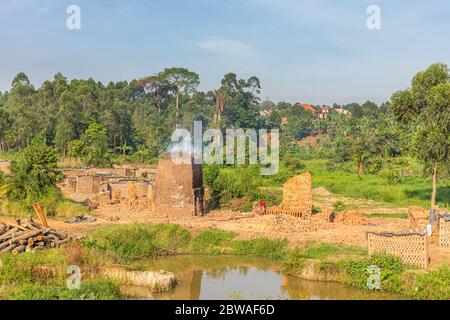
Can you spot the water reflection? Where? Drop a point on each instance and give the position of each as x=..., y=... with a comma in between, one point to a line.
x=207, y=278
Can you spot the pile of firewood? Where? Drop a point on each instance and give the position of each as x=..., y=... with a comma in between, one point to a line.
x=28, y=236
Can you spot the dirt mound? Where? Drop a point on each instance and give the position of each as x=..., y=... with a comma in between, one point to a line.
x=321, y=191
x=351, y=217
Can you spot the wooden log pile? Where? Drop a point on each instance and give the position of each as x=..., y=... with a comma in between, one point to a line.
x=28, y=236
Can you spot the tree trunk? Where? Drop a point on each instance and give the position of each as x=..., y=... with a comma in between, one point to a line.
x=433, y=193
x=178, y=101
x=360, y=169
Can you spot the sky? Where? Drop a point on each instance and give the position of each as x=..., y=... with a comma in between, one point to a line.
x=316, y=51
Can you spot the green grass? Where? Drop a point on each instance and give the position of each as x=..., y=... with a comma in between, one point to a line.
x=261, y=247
x=409, y=191
x=433, y=285
x=9, y=155
x=133, y=242
x=42, y=276
x=138, y=241
x=296, y=259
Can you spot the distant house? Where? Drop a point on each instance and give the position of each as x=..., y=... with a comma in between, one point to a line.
x=343, y=111
x=324, y=112
x=284, y=121
x=265, y=113
x=308, y=107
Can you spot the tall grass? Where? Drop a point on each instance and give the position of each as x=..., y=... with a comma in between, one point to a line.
x=42, y=276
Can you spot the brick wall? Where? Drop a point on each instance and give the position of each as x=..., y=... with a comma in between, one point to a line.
x=412, y=248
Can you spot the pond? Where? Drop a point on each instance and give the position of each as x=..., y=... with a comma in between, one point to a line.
x=230, y=277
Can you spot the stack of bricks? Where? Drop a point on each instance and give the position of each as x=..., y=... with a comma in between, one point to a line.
x=444, y=231
x=412, y=248
x=418, y=218
x=297, y=197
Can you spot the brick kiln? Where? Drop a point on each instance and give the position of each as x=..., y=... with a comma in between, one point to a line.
x=179, y=186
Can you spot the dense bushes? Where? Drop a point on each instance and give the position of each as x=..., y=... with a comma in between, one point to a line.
x=246, y=182
x=391, y=272
x=433, y=285
x=33, y=178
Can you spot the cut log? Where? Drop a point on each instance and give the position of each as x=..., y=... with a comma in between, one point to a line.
x=4, y=245
x=63, y=241
x=8, y=234
x=29, y=234
x=18, y=250
x=60, y=235
x=14, y=225
x=9, y=248
x=3, y=229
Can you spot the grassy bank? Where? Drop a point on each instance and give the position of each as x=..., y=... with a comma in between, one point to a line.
x=43, y=276
x=125, y=244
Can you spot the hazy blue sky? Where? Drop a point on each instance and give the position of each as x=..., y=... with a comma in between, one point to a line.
x=302, y=51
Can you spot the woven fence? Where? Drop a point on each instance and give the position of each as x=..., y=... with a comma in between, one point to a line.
x=444, y=232
x=410, y=247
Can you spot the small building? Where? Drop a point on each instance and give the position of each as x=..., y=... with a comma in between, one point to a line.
x=308, y=107
x=324, y=112
x=265, y=113
x=343, y=111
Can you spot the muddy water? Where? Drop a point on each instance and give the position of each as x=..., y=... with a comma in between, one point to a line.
x=228, y=277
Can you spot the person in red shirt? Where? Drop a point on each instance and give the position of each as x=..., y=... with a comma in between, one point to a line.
x=262, y=204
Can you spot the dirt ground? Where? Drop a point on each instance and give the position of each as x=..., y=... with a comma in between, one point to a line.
x=349, y=228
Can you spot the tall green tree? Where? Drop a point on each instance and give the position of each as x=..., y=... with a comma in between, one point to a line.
x=184, y=82
x=424, y=110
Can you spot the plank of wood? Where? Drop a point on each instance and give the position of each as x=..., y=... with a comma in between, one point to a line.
x=42, y=218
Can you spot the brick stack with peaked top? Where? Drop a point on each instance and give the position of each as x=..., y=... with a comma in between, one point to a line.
x=297, y=197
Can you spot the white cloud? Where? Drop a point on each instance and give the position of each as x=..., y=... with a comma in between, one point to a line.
x=228, y=48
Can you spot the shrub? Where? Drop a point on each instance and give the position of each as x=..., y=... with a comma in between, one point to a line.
x=433, y=285
x=391, y=270
x=339, y=206
x=212, y=241
x=293, y=262
x=261, y=247
x=138, y=241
